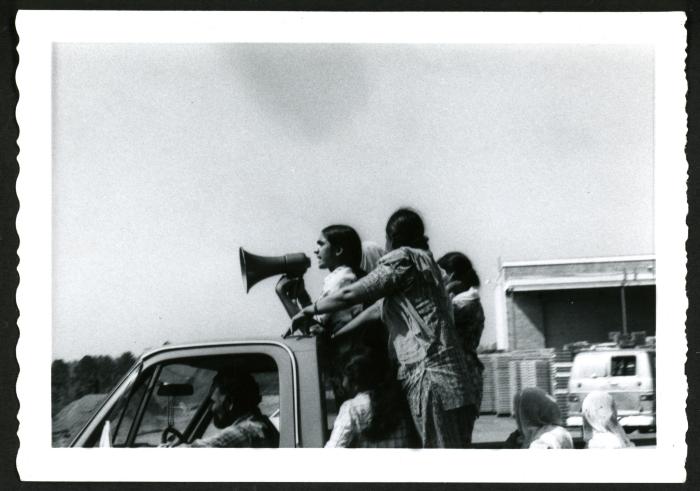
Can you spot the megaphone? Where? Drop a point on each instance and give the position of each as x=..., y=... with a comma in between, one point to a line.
x=255, y=268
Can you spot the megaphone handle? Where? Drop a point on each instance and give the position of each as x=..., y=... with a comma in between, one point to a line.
x=302, y=295
x=290, y=300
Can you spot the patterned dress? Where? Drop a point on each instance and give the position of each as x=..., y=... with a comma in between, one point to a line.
x=469, y=322
x=432, y=368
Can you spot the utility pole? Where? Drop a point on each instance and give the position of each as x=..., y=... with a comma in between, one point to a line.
x=624, y=304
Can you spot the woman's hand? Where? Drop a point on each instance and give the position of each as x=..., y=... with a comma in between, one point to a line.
x=316, y=330
x=342, y=299
x=302, y=320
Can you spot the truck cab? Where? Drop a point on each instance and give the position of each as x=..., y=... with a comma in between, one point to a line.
x=627, y=374
x=165, y=397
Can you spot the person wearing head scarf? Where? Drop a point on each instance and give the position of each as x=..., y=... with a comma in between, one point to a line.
x=371, y=254
x=600, y=426
x=539, y=420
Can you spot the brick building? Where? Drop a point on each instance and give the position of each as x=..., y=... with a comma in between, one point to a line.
x=547, y=304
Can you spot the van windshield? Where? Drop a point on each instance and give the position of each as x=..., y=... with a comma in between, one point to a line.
x=624, y=366
x=590, y=366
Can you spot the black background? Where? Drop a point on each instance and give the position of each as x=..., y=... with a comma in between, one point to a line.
x=9, y=205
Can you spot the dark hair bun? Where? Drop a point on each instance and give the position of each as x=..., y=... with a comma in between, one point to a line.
x=405, y=228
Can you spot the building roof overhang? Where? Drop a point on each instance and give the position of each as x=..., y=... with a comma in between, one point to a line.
x=578, y=282
x=608, y=272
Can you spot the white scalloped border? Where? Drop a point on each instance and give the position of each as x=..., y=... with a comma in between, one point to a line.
x=36, y=459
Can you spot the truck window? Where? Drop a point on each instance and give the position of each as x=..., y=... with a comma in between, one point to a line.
x=268, y=382
x=122, y=413
x=624, y=366
x=178, y=405
x=122, y=420
x=163, y=410
x=589, y=366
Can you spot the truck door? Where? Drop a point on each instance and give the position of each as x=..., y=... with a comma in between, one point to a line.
x=169, y=402
x=623, y=382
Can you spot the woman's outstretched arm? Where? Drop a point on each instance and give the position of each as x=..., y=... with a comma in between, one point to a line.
x=342, y=299
x=384, y=280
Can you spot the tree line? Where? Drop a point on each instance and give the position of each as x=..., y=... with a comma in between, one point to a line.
x=90, y=375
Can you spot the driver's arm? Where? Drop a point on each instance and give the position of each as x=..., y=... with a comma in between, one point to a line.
x=229, y=437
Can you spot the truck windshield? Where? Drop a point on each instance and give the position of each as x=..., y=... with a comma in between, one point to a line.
x=624, y=366
x=590, y=366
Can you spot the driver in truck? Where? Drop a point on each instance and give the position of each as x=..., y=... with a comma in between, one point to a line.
x=234, y=408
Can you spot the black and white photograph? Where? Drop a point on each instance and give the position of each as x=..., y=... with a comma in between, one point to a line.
x=447, y=242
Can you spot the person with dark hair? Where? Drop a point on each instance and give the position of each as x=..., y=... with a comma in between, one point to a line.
x=376, y=416
x=461, y=273
x=417, y=311
x=539, y=421
x=339, y=250
x=462, y=283
x=234, y=408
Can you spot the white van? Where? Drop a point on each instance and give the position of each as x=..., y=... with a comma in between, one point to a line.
x=627, y=374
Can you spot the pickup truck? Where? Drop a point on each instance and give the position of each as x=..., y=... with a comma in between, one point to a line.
x=164, y=398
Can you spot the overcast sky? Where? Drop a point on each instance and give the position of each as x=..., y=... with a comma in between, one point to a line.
x=167, y=158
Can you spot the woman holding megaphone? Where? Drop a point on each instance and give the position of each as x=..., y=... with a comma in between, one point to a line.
x=417, y=311
x=339, y=250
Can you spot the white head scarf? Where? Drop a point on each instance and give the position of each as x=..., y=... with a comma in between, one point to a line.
x=371, y=253
x=600, y=426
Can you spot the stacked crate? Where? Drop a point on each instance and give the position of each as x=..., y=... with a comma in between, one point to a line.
x=536, y=373
x=507, y=373
x=488, y=398
x=514, y=379
x=502, y=384
x=561, y=372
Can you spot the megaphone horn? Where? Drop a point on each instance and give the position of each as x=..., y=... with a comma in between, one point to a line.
x=255, y=268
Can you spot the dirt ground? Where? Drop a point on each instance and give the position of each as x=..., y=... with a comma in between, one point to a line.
x=491, y=430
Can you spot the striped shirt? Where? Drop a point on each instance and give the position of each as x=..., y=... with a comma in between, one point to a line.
x=252, y=430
